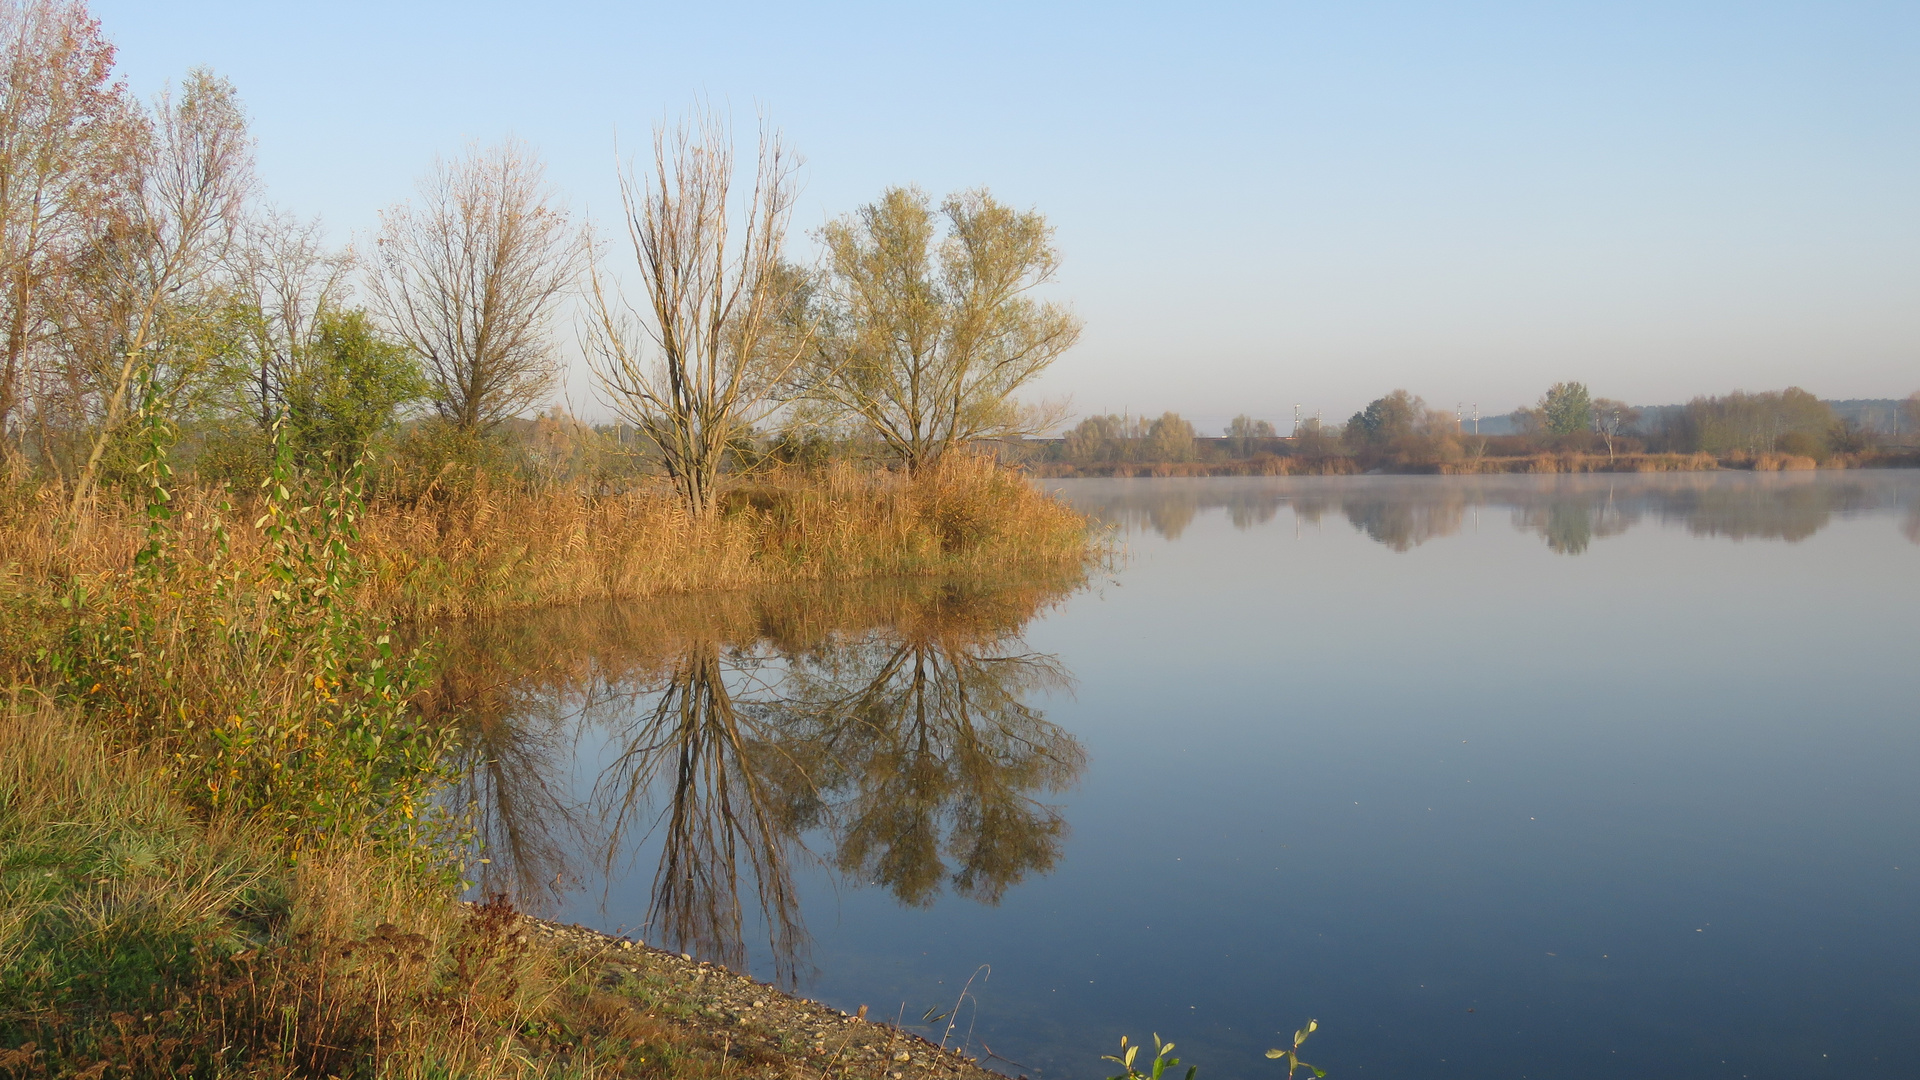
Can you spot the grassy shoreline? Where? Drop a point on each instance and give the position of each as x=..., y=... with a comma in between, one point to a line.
x=220, y=851
x=139, y=938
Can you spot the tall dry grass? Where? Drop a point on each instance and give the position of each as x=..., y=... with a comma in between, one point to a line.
x=488, y=546
x=140, y=939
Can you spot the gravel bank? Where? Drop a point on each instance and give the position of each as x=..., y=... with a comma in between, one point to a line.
x=766, y=1032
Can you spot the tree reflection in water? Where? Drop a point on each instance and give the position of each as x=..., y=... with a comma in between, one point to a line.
x=922, y=748
x=1568, y=511
x=703, y=762
x=887, y=728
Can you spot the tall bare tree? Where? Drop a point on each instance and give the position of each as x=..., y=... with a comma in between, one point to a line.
x=284, y=280
x=69, y=139
x=471, y=278
x=718, y=337
x=931, y=327
x=195, y=178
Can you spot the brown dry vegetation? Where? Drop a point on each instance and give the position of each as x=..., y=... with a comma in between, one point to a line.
x=218, y=848
x=140, y=939
x=487, y=546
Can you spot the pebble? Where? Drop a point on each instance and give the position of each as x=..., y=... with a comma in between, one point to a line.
x=808, y=1029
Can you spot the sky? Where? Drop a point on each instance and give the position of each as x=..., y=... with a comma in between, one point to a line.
x=1258, y=206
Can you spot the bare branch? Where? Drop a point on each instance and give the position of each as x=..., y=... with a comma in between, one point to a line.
x=719, y=335
x=470, y=280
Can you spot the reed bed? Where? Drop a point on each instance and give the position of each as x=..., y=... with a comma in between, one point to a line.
x=489, y=546
x=495, y=549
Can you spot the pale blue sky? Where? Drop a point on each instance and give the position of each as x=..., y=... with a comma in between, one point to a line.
x=1258, y=204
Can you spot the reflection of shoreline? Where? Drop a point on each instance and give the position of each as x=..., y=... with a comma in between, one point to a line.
x=889, y=718
x=1569, y=512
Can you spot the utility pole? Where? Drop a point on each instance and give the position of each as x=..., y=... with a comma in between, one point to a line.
x=1295, y=433
x=1476, y=418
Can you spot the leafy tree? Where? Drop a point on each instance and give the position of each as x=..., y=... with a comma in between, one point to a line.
x=1314, y=439
x=1108, y=437
x=1170, y=438
x=164, y=243
x=1566, y=409
x=69, y=157
x=928, y=324
x=1385, y=419
x=1243, y=429
x=350, y=386
x=1792, y=420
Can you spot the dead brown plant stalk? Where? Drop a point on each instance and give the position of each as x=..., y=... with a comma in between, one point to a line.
x=494, y=545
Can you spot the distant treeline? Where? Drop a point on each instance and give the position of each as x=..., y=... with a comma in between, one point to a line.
x=1568, y=429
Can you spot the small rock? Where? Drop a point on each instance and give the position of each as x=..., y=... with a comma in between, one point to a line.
x=903, y=1056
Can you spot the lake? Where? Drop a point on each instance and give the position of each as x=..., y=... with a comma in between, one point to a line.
x=1515, y=776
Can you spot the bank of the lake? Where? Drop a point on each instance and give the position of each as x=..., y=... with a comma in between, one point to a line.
x=225, y=846
x=746, y=1027
x=138, y=940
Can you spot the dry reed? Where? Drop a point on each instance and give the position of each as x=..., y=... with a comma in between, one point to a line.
x=488, y=547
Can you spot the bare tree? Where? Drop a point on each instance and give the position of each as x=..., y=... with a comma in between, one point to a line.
x=930, y=335
x=470, y=280
x=1611, y=418
x=68, y=146
x=284, y=278
x=194, y=181
x=719, y=336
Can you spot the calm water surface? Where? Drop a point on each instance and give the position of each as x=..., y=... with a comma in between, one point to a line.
x=1494, y=777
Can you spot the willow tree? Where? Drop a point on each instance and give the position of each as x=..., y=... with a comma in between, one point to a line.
x=929, y=324
x=470, y=278
x=706, y=357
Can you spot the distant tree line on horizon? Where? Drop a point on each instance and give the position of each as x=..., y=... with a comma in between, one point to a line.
x=1400, y=429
